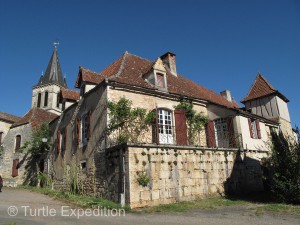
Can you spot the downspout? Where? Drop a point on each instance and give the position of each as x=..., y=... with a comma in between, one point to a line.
x=123, y=196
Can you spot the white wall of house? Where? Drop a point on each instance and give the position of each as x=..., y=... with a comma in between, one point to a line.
x=4, y=128
x=252, y=143
x=283, y=109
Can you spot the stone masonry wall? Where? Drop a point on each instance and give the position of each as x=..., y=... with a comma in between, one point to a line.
x=187, y=174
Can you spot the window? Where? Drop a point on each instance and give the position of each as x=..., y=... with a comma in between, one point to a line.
x=46, y=99
x=165, y=128
x=254, y=129
x=18, y=143
x=15, y=168
x=83, y=165
x=221, y=133
x=57, y=100
x=1, y=136
x=84, y=127
x=160, y=80
x=63, y=140
x=39, y=100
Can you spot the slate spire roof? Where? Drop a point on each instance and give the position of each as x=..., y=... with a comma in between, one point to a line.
x=53, y=72
x=260, y=88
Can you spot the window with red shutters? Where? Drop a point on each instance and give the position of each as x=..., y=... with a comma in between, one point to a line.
x=231, y=135
x=180, y=127
x=77, y=131
x=254, y=128
x=15, y=171
x=58, y=142
x=210, y=134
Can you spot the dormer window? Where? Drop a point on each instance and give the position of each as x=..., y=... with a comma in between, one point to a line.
x=160, y=80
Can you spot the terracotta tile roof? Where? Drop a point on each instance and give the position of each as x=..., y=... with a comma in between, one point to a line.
x=70, y=94
x=35, y=117
x=131, y=71
x=8, y=117
x=260, y=88
x=88, y=76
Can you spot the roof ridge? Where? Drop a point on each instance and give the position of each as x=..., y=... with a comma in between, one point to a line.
x=121, y=68
x=89, y=70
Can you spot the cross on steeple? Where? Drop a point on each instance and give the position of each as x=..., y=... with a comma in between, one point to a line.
x=56, y=43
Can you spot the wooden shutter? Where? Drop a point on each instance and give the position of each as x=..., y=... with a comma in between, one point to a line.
x=15, y=171
x=250, y=127
x=89, y=125
x=231, y=136
x=258, y=129
x=58, y=142
x=155, y=134
x=210, y=134
x=181, y=128
x=77, y=131
x=65, y=138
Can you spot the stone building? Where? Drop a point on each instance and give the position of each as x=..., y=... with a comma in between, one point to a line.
x=226, y=156
x=49, y=97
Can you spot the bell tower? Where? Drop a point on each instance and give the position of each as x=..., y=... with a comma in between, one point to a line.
x=45, y=94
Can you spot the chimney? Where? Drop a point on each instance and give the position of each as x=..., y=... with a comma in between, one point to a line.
x=226, y=94
x=169, y=59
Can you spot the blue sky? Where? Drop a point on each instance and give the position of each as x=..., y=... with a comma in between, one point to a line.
x=219, y=44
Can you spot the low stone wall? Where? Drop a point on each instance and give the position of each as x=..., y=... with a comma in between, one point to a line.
x=180, y=174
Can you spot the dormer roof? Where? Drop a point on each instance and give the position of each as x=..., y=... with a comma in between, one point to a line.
x=261, y=88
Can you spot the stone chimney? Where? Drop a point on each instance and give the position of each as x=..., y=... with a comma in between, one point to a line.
x=226, y=94
x=169, y=59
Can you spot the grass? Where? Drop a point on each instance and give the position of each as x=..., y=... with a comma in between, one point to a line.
x=208, y=203
x=215, y=202
x=81, y=201
x=259, y=205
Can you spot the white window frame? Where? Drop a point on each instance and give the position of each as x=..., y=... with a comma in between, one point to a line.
x=254, y=129
x=164, y=79
x=165, y=126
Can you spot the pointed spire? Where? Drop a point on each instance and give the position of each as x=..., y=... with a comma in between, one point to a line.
x=53, y=72
x=260, y=88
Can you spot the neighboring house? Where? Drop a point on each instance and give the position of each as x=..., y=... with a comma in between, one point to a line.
x=6, y=121
x=49, y=96
x=226, y=156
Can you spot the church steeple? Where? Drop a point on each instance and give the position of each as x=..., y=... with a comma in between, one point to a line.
x=53, y=72
x=45, y=94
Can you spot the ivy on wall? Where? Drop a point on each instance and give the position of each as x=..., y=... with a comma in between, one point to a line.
x=128, y=123
x=195, y=121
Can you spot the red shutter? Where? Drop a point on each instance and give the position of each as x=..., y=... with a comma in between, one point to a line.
x=258, y=129
x=250, y=127
x=65, y=139
x=156, y=128
x=210, y=134
x=58, y=142
x=89, y=125
x=181, y=128
x=15, y=168
x=231, y=136
x=77, y=131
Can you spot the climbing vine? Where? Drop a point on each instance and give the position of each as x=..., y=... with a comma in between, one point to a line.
x=128, y=123
x=195, y=121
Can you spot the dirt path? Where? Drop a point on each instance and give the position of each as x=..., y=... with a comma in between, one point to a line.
x=34, y=208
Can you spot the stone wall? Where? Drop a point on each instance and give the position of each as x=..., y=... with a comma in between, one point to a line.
x=182, y=174
x=9, y=153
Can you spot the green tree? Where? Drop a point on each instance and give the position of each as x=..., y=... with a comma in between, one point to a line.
x=285, y=167
x=36, y=151
x=128, y=123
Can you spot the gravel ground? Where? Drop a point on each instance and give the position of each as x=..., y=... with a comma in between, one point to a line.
x=29, y=208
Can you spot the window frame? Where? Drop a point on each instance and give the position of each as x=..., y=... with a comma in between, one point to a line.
x=84, y=128
x=18, y=143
